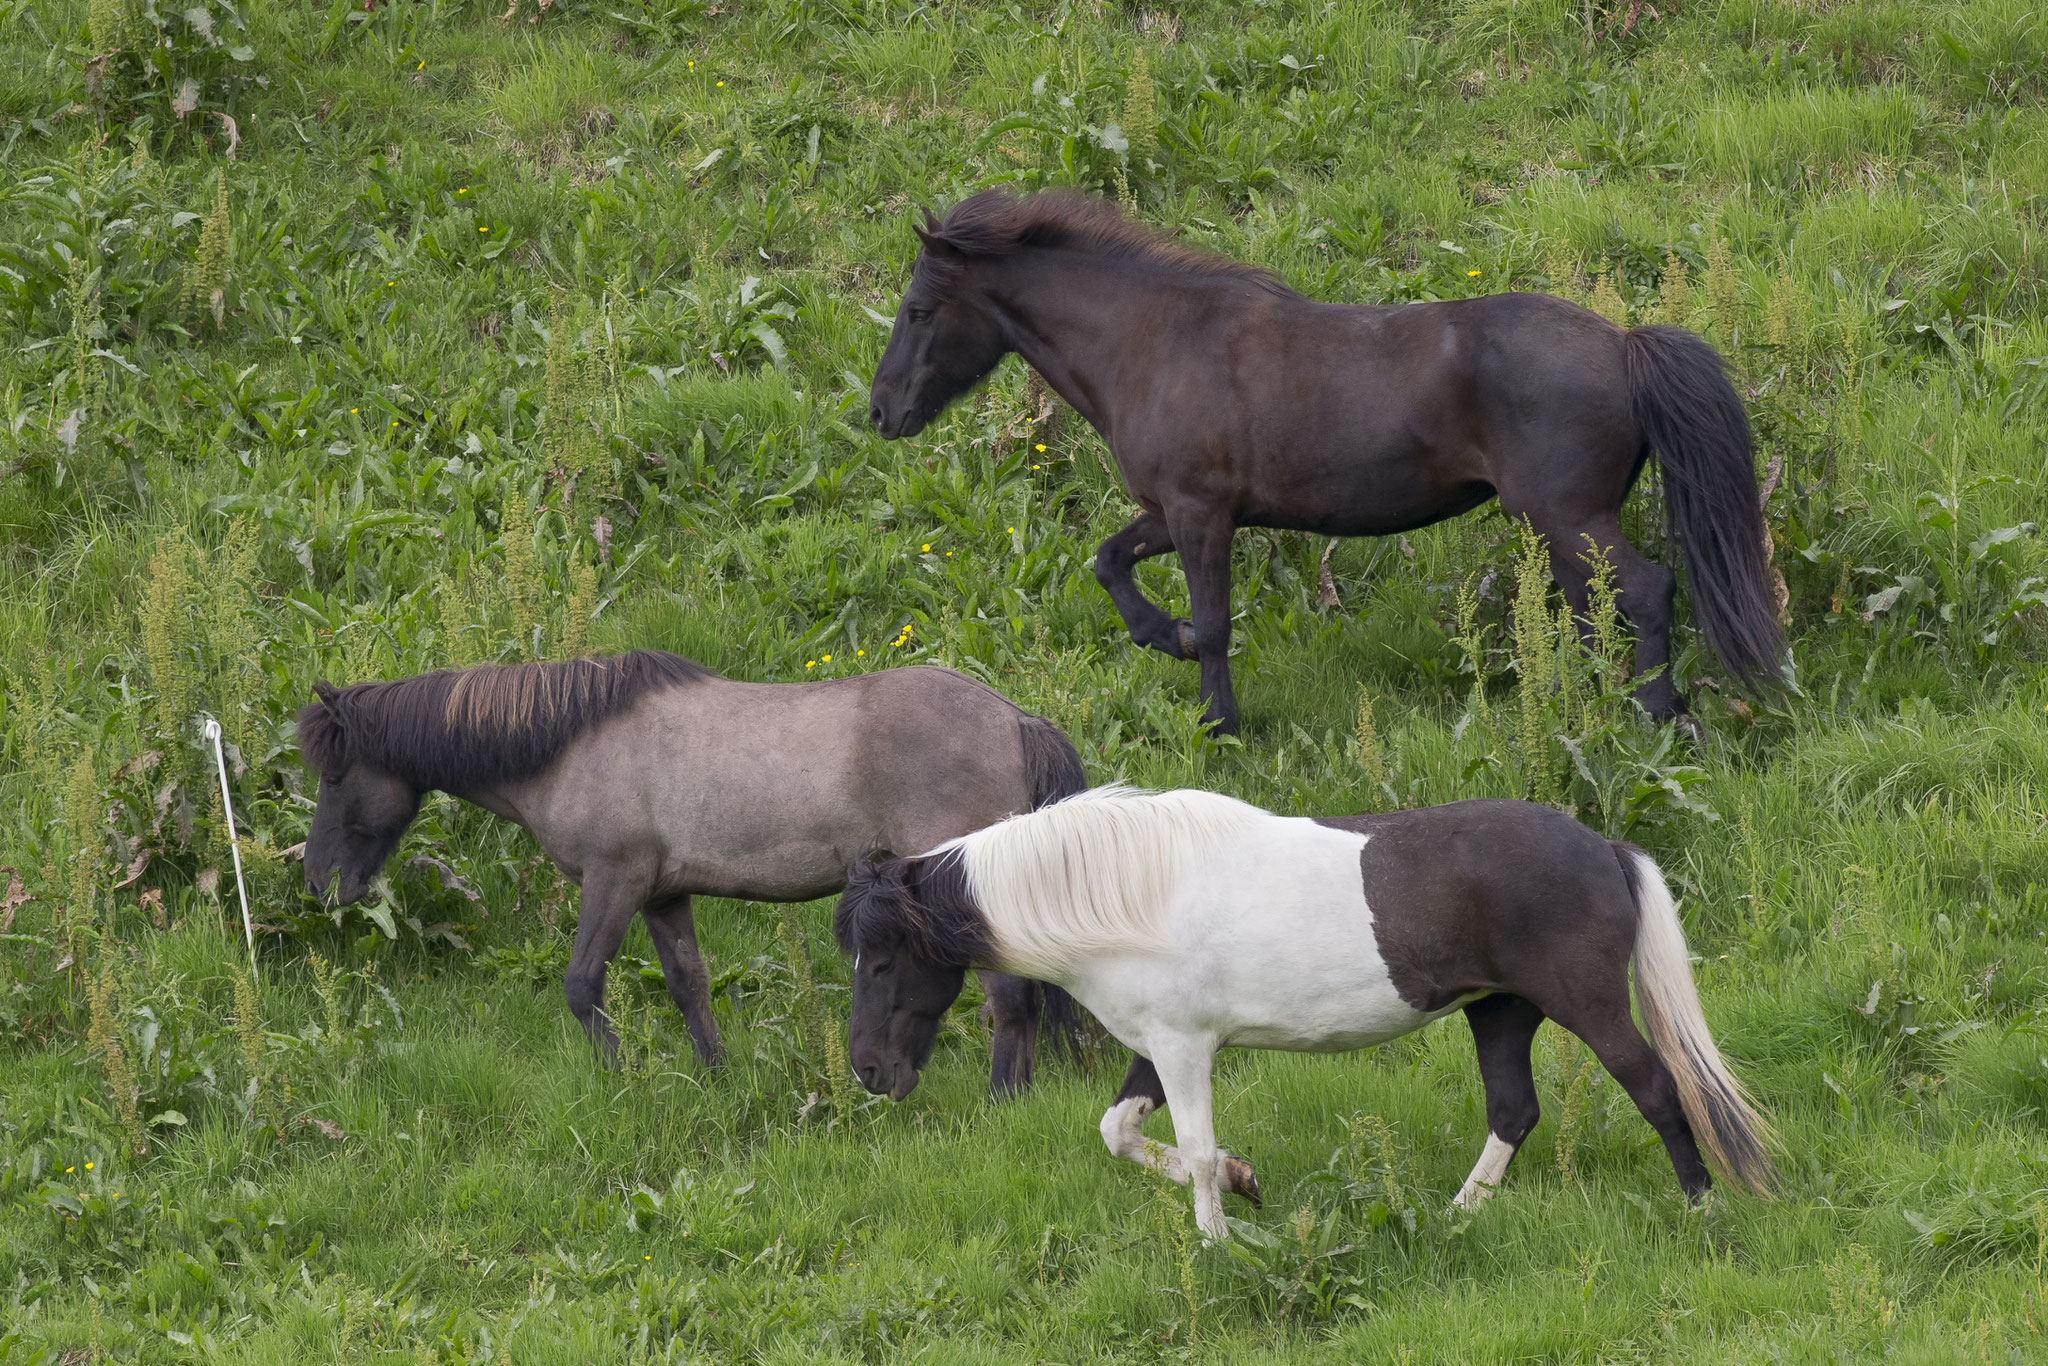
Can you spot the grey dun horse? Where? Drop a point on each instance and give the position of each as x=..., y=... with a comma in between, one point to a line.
x=649, y=780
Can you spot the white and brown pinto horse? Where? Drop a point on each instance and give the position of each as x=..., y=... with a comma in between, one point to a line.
x=1189, y=922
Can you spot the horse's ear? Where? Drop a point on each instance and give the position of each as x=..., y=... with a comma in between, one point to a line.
x=930, y=236
x=327, y=693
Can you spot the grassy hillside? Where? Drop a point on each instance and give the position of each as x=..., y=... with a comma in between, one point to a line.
x=344, y=344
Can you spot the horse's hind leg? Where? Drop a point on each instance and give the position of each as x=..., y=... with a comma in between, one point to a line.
x=1605, y=1024
x=1503, y=1027
x=1204, y=535
x=1014, y=1002
x=673, y=929
x=1644, y=593
x=1149, y=626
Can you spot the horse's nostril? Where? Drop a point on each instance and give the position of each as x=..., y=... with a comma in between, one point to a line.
x=871, y=1077
x=875, y=415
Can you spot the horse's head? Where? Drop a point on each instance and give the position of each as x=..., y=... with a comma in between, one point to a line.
x=362, y=813
x=945, y=341
x=902, y=987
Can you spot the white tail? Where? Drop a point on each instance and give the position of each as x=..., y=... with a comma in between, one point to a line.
x=1717, y=1106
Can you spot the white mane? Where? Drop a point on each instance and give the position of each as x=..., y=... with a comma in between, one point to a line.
x=1092, y=873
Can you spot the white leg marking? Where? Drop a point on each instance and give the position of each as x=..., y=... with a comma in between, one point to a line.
x=1123, y=1130
x=1486, y=1173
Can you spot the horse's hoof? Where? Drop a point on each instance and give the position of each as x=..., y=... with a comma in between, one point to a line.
x=1238, y=1176
x=1184, y=632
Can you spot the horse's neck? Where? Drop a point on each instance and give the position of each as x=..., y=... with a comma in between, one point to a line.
x=1069, y=316
x=499, y=801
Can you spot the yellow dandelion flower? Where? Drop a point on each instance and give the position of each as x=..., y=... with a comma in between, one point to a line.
x=1034, y=467
x=88, y=1166
x=483, y=229
x=648, y=1258
x=1040, y=447
x=721, y=85
x=421, y=67
x=810, y=664
x=69, y=1170
x=1013, y=531
x=949, y=554
x=1472, y=274
x=355, y=410
x=464, y=190
x=926, y=547
x=828, y=659
x=391, y=284
x=858, y=654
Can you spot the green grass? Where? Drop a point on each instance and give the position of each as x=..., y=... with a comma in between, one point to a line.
x=456, y=238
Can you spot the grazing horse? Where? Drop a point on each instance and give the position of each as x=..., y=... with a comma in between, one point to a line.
x=1229, y=400
x=649, y=779
x=1188, y=922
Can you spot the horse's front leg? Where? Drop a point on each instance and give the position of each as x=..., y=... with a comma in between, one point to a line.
x=1184, y=1065
x=1204, y=537
x=674, y=931
x=1149, y=626
x=1014, y=1003
x=611, y=894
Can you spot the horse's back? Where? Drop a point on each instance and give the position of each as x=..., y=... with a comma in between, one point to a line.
x=769, y=790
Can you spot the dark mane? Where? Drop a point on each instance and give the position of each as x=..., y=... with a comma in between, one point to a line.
x=996, y=223
x=922, y=902
x=474, y=727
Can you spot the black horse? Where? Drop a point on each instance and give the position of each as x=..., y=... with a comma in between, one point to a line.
x=1229, y=400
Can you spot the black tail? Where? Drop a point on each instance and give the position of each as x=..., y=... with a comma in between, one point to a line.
x=1056, y=772
x=1687, y=411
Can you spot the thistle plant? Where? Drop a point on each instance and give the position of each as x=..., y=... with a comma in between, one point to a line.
x=266, y=1095
x=578, y=610
x=574, y=447
x=1607, y=301
x=88, y=328
x=1674, y=292
x=1366, y=740
x=1372, y=1155
x=525, y=592
x=1536, y=662
x=1471, y=640
x=206, y=280
x=461, y=615
x=1175, y=1220
x=1786, y=327
x=1724, y=294
x=86, y=859
x=163, y=635
x=1141, y=113
x=103, y=1041
x=814, y=1032
x=1571, y=1061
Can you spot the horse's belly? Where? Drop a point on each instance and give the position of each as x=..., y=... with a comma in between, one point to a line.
x=1362, y=1020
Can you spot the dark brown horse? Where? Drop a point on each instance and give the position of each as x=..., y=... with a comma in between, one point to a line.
x=1229, y=400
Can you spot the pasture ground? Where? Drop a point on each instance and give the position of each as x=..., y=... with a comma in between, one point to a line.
x=495, y=338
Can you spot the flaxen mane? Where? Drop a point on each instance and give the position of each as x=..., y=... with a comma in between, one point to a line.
x=1088, y=875
x=995, y=223
x=473, y=727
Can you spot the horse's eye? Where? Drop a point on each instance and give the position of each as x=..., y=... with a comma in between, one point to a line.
x=920, y=315
x=884, y=967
